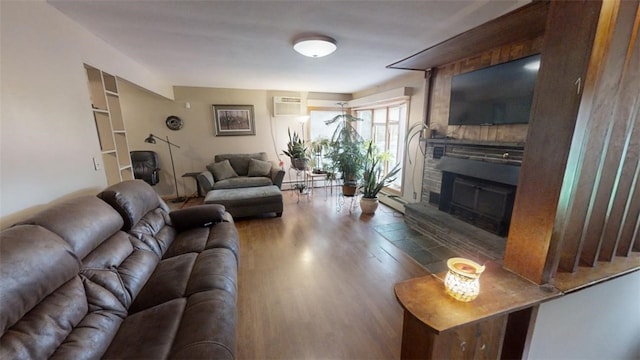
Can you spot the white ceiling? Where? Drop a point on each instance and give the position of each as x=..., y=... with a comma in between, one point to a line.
x=248, y=44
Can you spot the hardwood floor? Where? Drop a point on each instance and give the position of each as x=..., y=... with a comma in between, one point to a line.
x=317, y=283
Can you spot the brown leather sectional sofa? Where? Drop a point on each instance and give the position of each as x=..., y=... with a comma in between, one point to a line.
x=119, y=276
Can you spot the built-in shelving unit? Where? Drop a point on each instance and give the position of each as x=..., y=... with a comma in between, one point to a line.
x=105, y=104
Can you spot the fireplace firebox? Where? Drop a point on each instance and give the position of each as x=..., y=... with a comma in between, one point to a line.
x=481, y=193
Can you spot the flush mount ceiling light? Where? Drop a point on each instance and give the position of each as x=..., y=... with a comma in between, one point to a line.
x=315, y=46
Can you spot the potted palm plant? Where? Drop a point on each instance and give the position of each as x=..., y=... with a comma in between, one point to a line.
x=346, y=151
x=373, y=179
x=296, y=151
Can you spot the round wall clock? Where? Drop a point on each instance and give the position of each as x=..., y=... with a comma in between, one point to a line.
x=174, y=123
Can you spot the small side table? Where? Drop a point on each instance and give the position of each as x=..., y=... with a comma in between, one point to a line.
x=320, y=177
x=194, y=175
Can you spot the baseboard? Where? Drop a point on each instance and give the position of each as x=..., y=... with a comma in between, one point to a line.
x=393, y=201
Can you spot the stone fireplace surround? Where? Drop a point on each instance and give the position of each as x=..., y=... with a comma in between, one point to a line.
x=459, y=177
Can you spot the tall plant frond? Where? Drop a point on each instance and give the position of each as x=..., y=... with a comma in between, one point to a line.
x=373, y=179
x=342, y=117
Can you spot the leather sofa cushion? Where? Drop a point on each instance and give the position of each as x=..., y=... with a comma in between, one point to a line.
x=47, y=310
x=197, y=216
x=224, y=235
x=120, y=268
x=91, y=337
x=153, y=231
x=193, y=240
x=132, y=199
x=201, y=326
x=167, y=282
x=148, y=334
x=39, y=333
x=34, y=262
x=83, y=222
x=207, y=337
x=213, y=269
x=185, y=274
x=221, y=235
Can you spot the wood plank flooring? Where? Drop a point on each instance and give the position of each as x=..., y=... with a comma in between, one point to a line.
x=318, y=284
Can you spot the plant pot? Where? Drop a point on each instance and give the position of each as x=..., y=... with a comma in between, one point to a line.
x=349, y=190
x=368, y=205
x=299, y=164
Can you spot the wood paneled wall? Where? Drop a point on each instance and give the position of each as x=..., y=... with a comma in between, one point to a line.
x=441, y=93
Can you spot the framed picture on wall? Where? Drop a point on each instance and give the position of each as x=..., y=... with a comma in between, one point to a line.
x=234, y=120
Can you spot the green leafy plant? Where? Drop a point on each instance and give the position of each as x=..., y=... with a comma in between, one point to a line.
x=296, y=148
x=318, y=148
x=373, y=180
x=320, y=145
x=346, y=148
x=296, y=151
x=300, y=187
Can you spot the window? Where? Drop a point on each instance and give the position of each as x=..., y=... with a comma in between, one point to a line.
x=385, y=126
x=317, y=128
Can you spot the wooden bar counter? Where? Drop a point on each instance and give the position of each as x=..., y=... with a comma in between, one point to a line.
x=437, y=326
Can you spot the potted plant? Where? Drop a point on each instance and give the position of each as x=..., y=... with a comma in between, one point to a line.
x=346, y=151
x=319, y=147
x=300, y=187
x=296, y=151
x=373, y=180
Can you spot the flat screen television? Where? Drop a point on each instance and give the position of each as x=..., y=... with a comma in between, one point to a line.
x=499, y=94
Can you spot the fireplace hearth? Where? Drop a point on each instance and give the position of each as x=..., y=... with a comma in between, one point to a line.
x=468, y=191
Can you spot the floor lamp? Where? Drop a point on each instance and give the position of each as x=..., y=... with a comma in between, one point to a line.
x=151, y=139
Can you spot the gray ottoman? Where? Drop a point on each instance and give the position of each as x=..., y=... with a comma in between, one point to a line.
x=250, y=201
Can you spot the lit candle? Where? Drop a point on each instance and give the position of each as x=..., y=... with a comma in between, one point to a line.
x=462, y=281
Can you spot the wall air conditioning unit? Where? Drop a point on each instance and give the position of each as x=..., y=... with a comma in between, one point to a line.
x=287, y=106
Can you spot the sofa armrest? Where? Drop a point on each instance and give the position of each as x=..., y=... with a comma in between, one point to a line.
x=197, y=216
x=277, y=175
x=206, y=181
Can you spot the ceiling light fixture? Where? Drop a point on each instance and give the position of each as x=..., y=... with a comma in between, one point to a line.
x=315, y=46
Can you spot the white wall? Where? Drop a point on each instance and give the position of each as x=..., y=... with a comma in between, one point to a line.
x=600, y=322
x=47, y=135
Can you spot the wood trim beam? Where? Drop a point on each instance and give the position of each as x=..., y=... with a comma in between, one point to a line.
x=566, y=51
x=527, y=22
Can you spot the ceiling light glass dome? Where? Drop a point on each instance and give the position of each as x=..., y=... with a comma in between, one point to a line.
x=315, y=46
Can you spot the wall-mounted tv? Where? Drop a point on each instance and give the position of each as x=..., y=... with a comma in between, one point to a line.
x=499, y=94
